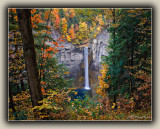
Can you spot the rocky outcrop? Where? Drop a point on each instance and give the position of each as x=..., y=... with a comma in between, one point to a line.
x=72, y=57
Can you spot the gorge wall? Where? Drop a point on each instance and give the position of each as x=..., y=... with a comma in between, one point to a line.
x=72, y=57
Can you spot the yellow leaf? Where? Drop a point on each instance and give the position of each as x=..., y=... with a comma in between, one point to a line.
x=98, y=28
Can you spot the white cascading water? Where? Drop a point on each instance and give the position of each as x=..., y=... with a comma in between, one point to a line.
x=86, y=69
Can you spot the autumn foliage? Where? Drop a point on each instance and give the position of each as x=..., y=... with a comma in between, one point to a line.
x=124, y=87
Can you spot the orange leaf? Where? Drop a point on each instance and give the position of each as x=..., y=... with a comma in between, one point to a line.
x=71, y=15
x=62, y=40
x=43, y=91
x=43, y=82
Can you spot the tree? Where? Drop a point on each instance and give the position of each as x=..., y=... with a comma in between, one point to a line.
x=24, y=21
x=16, y=59
x=78, y=25
x=130, y=45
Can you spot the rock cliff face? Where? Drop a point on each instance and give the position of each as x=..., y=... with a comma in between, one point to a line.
x=72, y=57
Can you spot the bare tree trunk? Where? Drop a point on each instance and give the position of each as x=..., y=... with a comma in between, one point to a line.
x=22, y=85
x=11, y=102
x=114, y=36
x=132, y=63
x=24, y=21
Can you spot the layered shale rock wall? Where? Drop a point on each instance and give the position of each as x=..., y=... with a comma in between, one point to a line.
x=72, y=57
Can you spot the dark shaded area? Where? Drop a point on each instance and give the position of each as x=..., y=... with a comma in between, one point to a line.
x=80, y=94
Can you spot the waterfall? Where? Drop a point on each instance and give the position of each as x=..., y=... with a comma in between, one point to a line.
x=86, y=69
